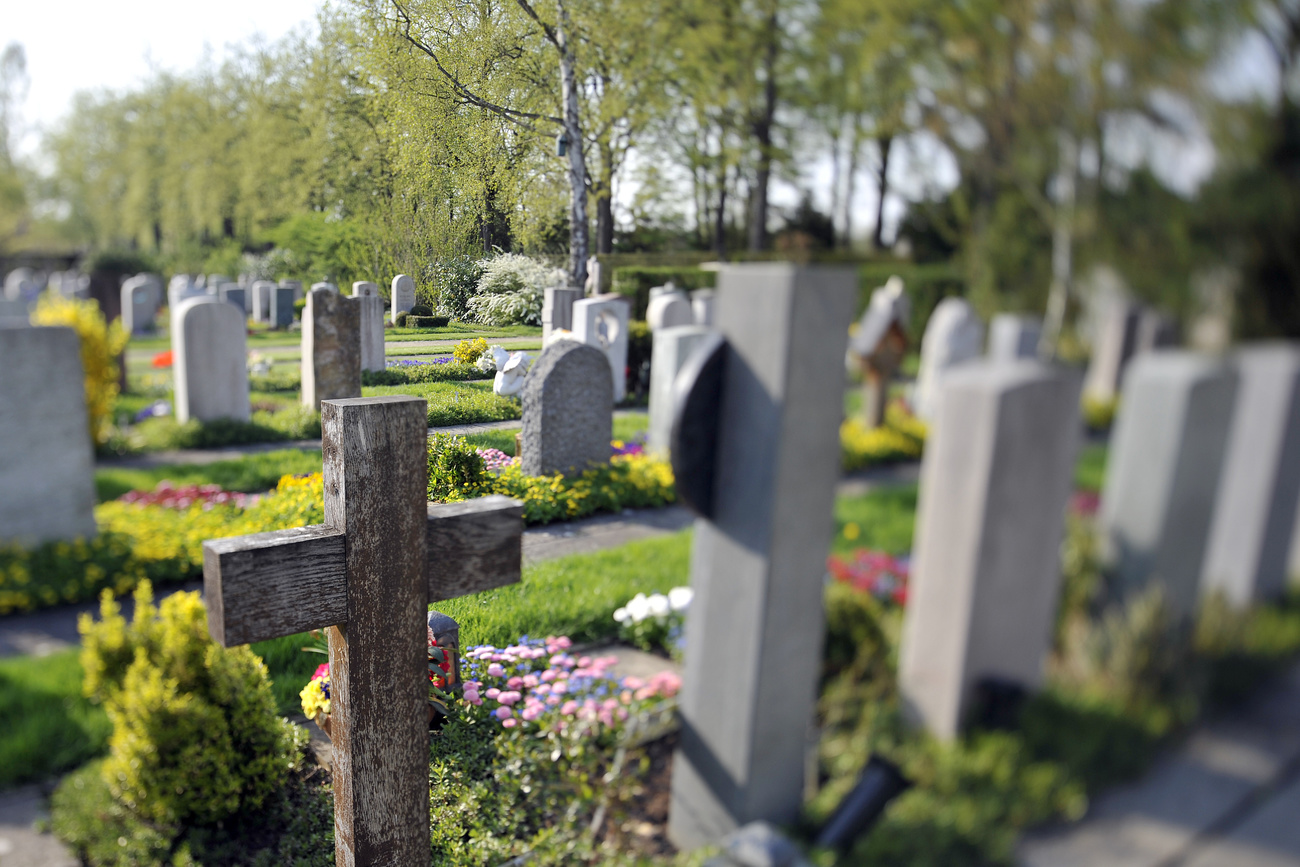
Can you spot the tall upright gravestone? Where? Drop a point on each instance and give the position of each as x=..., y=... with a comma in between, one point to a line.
x=755, y=454
x=262, y=291
x=953, y=335
x=568, y=410
x=1162, y=475
x=331, y=347
x=141, y=300
x=47, y=470
x=986, y=577
x=403, y=295
x=372, y=324
x=282, y=301
x=233, y=293
x=672, y=347
x=557, y=310
x=602, y=322
x=1012, y=337
x=1255, y=512
x=210, y=361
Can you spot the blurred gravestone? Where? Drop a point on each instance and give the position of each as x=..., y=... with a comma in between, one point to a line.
x=282, y=299
x=366, y=295
x=1255, y=513
x=323, y=285
x=557, y=311
x=986, y=576
x=141, y=299
x=296, y=286
x=262, y=291
x=403, y=295
x=1155, y=330
x=47, y=476
x=1013, y=337
x=602, y=322
x=953, y=335
x=1162, y=475
x=209, y=361
x=702, y=301
x=568, y=410
x=669, y=310
x=672, y=346
x=234, y=294
x=22, y=284
x=878, y=345
x=331, y=346
x=1113, y=346
x=756, y=454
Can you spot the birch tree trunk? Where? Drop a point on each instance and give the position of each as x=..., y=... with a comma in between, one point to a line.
x=579, y=231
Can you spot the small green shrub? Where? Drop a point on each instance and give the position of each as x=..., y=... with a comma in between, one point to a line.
x=195, y=733
x=456, y=471
x=511, y=289
x=421, y=310
x=1099, y=412
x=635, y=282
x=640, y=342
x=427, y=321
x=469, y=351
x=280, y=378
x=452, y=403
x=299, y=306
x=400, y=319
x=413, y=374
x=101, y=343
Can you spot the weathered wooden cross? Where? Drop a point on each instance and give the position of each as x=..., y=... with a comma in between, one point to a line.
x=368, y=573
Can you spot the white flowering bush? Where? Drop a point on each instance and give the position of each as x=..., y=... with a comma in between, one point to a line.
x=655, y=622
x=511, y=290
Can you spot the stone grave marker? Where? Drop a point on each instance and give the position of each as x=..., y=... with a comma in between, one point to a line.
x=557, y=310
x=22, y=284
x=141, y=300
x=233, y=293
x=263, y=290
x=1155, y=330
x=1162, y=475
x=879, y=346
x=180, y=288
x=209, y=360
x=672, y=346
x=756, y=455
x=1013, y=337
x=322, y=285
x=602, y=322
x=367, y=298
x=1255, y=512
x=953, y=335
x=669, y=310
x=403, y=295
x=47, y=479
x=14, y=314
x=282, y=301
x=568, y=410
x=995, y=480
x=367, y=575
x=702, y=306
x=331, y=347
x=215, y=282
x=1113, y=346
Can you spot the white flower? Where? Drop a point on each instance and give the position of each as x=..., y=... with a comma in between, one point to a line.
x=639, y=608
x=658, y=605
x=622, y=616
x=680, y=598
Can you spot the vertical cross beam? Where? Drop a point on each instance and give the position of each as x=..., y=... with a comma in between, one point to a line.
x=376, y=477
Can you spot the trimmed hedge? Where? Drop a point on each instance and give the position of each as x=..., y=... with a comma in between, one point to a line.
x=427, y=321
x=403, y=374
x=636, y=283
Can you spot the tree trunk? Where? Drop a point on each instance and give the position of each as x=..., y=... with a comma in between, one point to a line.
x=837, y=239
x=758, y=237
x=855, y=145
x=720, y=220
x=605, y=201
x=1062, y=249
x=579, y=232
x=886, y=143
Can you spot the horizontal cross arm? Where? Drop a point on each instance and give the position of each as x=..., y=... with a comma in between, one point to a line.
x=473, y=546
x=268, y=585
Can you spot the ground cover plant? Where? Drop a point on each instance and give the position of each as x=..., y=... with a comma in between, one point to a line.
x=452, y=403
x=249, y=473
x=900, y=438
x=165, y=433
x=49, y=726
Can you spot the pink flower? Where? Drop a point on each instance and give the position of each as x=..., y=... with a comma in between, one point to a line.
x=564, y=642
x=515, y=682
x=560, y=688
x=503, y=713
x=548, y=676
x=530, y=680
x=552, y=700
x=531, y=713
x=610, y=704
x=493, y=692
x=544, y=689
x=584, y=661
x=625, y=696
x=471, y=696
x=495, y=670
x=509, y=723
x=633, y=682
x=509, y=697
x=569, y=708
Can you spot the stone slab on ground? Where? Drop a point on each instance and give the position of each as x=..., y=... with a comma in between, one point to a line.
x=1228, y=788
x=21, y=845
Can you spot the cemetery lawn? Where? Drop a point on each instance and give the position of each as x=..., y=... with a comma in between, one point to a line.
x=455, y=402
x=1090, y=471
x=249, y=474
x=627, y=427
x=48, y=726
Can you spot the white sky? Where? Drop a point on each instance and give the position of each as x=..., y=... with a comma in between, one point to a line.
x=84, y=45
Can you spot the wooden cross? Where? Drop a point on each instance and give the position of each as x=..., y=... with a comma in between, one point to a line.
x=369, y=573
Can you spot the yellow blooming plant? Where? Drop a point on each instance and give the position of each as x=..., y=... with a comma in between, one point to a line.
x=469, y=351
x=316, y=694
x=101, y=344
x=900, y=438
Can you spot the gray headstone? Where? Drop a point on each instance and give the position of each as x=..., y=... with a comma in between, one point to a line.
x=1012, y=337
x=557, y=310
x=215, y=282
x=296, y=286
x=702, y=301
x=22, y=284
x=329, y=286
x=209, y=361
x=602, y=322
x=1255, y=513
x=403, y=295
x=754, y=629
x=372, y=328
x=331, y=347
x=953, y=335
x=1113, y=346
x=14, y=314
x=1162, y=475
x=282, y=300
x=233, y=293
x=568, y=410
x=262, y=290
x=47, y=481
x=669, y=310
x=364, y=288
x=1155, y=330
x=986, y=567
x=672, y=346
x=141, y=300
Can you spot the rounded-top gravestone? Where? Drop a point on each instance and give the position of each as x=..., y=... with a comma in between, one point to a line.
x=568, y=410
x=403, y=295
x=669, y=310
x=210, y=367
x=953, y=335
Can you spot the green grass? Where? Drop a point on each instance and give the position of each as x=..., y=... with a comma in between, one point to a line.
x=48, y=726
x=252, y=473
x=455, y=402
x=1090, y=471
x=462, y=331
x=882, y=520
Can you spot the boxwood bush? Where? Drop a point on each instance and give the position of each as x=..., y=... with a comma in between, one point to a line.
x=427, y=321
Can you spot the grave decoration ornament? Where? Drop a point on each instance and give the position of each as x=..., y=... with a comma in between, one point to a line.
x=368, y=574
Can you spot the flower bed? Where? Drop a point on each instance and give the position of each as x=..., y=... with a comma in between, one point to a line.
x=900, y=438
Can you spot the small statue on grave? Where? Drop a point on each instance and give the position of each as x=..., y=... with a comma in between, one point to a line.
x=878, y=347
